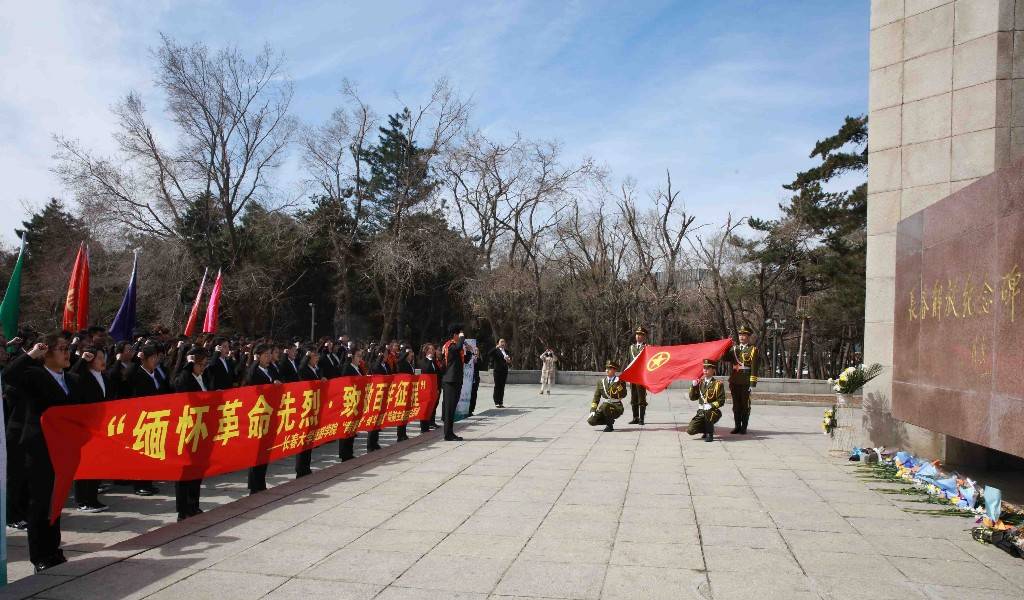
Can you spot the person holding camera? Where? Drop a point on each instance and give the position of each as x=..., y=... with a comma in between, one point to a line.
x=548, y=361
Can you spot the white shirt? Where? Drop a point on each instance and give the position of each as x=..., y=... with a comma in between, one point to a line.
x=199, y=380
x=265, y=372
x=99, y=379
x=59, y=377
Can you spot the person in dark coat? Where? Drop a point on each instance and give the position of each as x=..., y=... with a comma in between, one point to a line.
x=455, y=357
x=259, y=374
x=380, y=367
x=95, y=387
x=221, y=367
x=309, y=370
x=192, y=378
x=40, y=377
x=288, y=366
x=500, y=361
x=346, y=446
x=143, y=380
x=429, y=366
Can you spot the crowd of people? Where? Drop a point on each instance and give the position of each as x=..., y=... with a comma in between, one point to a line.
x=40, y=371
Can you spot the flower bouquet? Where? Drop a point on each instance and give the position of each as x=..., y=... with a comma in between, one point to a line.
x=854, y=378
x=829, y=422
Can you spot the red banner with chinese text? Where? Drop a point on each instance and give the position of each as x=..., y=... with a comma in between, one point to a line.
x=174, y=437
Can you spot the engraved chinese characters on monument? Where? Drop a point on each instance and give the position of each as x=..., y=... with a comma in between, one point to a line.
x=960, y=314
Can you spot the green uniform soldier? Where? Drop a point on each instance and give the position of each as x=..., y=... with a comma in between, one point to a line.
x=710, y=394
x=638, y=393
x=607, y=403
x=745, y=359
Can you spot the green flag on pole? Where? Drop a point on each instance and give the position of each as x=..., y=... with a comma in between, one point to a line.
x=9, y=307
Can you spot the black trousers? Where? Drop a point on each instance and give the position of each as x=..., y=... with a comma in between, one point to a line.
x=17, y=479
x=450, y=399
x=302, y=462
x=87, y=492
x=740, y=404
x=500, y=377
x=472, y=397
x=373, y=440
x=402, y=432
x=257, y=478
x=43, y=537
x=186, y=496
x=346, y=448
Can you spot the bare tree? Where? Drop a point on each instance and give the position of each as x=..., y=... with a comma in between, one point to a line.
x=232, y=124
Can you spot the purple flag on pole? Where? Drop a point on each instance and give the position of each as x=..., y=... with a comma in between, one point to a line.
x=124, y=321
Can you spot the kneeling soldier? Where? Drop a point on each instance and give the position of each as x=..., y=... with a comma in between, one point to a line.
x=710, y=393
x=607, y=403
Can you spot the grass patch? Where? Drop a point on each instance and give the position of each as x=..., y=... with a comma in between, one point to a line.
x=949, y=511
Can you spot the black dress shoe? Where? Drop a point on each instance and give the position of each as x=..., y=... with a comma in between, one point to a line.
x=146, y=490
x=452, y=438
x=19, y=525
x=403, y=437
x=373, y=448
x=49, y=563
x=736, y=430
x=434, y=425
x=635, y=421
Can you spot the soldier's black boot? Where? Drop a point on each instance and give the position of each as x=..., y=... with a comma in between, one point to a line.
x=609, y=427
x=636, y=414
x=643, y=410
x=709, y=436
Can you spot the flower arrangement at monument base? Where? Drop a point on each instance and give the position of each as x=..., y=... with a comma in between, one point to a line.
x=998, y=523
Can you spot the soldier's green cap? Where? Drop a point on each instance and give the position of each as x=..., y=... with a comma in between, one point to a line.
x=710, y=363
x=640, y=330
x=746, y=330
x=611, y=365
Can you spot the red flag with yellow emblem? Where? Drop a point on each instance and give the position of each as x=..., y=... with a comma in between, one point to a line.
x=658, y=366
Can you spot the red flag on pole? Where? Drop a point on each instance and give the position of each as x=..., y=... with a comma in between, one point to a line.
x=193, y=315
x=658, y=366
x=213, y=307
x=76, y=305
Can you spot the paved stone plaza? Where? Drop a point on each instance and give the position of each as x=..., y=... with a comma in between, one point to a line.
x=536, y=504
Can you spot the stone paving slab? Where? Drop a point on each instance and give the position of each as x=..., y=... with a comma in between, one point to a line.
x=536, y=504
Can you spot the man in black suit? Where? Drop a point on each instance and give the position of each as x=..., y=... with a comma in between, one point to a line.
x=190, y=379
x=330, y=364
x=500, y=361
x=220, y=368
x=346, y=446
x=124, y=359
x=309, y=370
x=144, y=380
x=380, y=366
x=288, y=366
x=259, y=374
x=455, y=357
x=40, y=377
x=428, y=366
x=94, y=386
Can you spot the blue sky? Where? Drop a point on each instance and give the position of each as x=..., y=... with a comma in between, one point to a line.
x=728, y=95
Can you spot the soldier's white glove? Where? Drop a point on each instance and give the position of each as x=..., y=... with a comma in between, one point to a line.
x=706, y=406
x=592, y=413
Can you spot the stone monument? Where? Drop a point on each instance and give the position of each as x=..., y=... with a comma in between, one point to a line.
x=946, y=104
